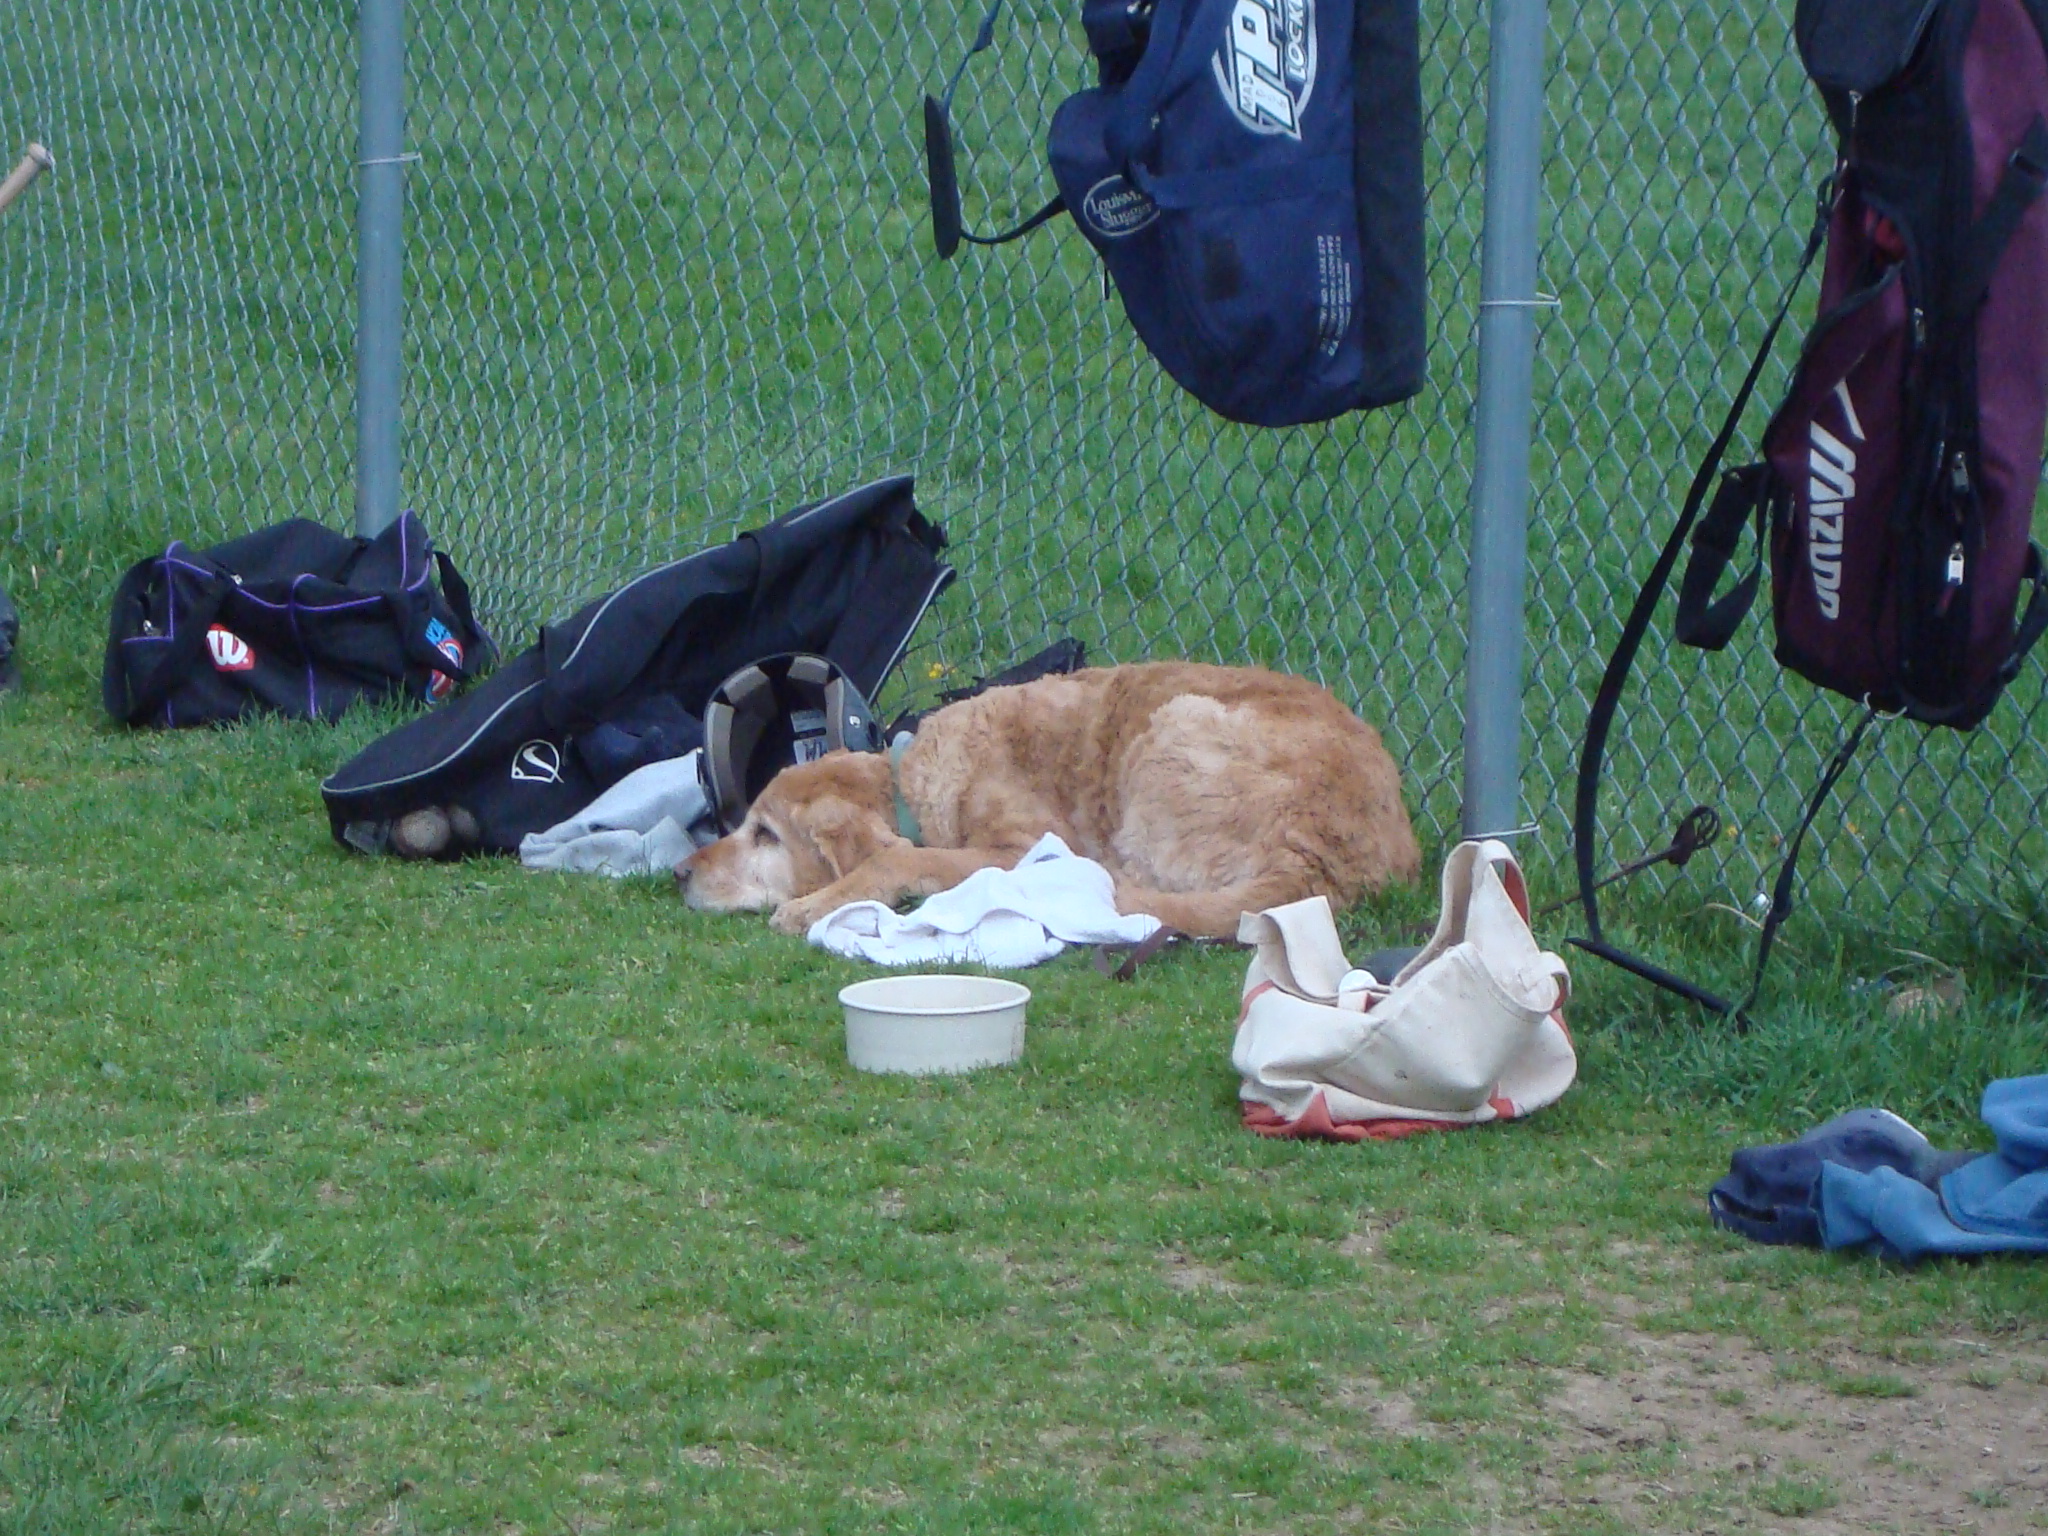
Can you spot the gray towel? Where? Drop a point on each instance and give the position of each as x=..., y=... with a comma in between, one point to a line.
x=642, y=825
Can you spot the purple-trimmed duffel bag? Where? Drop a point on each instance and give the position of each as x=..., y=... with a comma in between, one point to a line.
x=1896, y=490
x=295, y=620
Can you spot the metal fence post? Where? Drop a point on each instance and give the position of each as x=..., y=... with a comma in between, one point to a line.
x=380, y=212
x=1508, y=303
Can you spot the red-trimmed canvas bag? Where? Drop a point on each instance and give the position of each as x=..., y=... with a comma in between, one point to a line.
x=1469, y=1031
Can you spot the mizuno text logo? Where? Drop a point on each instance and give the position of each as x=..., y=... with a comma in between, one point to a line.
x=1830, y=488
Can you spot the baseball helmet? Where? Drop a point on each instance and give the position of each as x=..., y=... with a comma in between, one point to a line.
x=774, y=712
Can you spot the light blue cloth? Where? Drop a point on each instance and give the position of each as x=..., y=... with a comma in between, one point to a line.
x=1997, y=1203
x=642, y=825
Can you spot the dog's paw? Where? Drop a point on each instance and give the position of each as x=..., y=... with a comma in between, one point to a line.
x=796, y=916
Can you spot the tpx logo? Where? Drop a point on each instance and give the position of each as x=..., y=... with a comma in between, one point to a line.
x=1830, y=487
x=442, y=639
x=538, y=762
x=230, y=651
x=1267, y=66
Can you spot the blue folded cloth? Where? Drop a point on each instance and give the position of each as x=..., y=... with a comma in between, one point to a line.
x=1770, y=1193
x=1994, y=1203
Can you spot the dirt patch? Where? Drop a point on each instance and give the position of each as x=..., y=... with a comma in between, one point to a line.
x=1711, y=1434
x=1184, y=1274
x=1389, y=1411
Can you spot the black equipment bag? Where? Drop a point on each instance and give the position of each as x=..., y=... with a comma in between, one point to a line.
x=624, y=682
x=294, y=619
x=1893, y=499
x=10, y=636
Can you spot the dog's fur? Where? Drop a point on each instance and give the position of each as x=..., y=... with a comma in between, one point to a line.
x=1206, y=791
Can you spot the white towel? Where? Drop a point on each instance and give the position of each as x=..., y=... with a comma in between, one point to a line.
x=640, y=826
x=1001, y=918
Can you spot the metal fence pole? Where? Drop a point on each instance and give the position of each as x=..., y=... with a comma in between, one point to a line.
x=1508, y=303
x=380, y=213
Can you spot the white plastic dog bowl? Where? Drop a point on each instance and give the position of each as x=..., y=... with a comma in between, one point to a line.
x=922, y=1024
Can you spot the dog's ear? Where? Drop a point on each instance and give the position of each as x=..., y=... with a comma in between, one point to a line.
x=846, y=835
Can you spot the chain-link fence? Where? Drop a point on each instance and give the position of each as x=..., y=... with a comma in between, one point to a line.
x=668, y=273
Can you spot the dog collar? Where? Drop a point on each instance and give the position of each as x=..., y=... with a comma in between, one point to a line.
x=906, y=818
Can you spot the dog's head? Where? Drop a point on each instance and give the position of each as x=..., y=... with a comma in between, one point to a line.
x=812, y=823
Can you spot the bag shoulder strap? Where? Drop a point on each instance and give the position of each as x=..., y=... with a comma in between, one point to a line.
x=1781, y=892
x=1600, y=719
x=1704, y=621
x=2033, y=621
x=2025, y=174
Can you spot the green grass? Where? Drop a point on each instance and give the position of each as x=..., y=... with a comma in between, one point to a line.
x=455, y=1198
x=339, y=1195
x=1796, y=1495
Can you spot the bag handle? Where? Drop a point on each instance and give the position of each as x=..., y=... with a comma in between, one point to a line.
x=1705, y=622
x=942, y=177
x=184, y=646
x=456, y=591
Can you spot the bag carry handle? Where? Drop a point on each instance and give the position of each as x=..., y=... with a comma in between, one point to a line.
x=456, y=590
x=1705, y=622
x=182, y=648
x=1585, y=815
x=941, y=175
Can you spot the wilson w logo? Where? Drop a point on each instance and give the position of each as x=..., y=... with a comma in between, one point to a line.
x=1830, y=487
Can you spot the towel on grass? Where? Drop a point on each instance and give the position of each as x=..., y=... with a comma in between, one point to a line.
x=640, y=826
x=1772, y=1194
x=1995, y=1203
x=1001, y=918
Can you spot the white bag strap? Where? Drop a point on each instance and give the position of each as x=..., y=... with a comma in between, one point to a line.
x=1298, y=947
x=1472, y=868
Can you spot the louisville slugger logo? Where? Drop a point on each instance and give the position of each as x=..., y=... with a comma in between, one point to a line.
x=1114, y=208
x=1267, y=66
x=1830, y=487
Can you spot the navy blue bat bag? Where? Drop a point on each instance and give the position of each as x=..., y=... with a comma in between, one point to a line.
x=1251, y=173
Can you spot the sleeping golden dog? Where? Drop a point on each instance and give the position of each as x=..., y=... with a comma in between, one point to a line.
x=1205, y=791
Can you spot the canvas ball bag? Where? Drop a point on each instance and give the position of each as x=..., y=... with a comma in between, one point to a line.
x=1469, y=1031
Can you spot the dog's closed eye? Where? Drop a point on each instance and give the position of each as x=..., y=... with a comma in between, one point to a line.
x=765, y=834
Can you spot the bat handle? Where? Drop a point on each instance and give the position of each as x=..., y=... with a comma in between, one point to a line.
x=33, y=164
